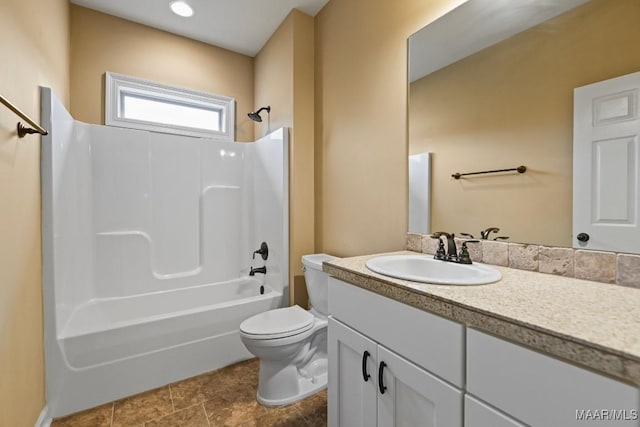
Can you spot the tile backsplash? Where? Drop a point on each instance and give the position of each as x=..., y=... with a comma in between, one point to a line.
x=599, y=266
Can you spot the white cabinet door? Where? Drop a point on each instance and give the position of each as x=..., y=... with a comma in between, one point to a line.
x=409, y=396
x=606, y=165
x=352, y=399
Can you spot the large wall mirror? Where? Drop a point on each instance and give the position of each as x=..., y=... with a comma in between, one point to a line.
x=491, y=86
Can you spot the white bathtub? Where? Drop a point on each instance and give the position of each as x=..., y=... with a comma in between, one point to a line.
x=122, y=346
x=145, y=240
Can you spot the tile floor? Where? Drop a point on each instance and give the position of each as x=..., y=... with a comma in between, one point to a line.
x=220, y=398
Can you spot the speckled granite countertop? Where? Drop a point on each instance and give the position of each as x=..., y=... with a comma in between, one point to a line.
x=591, y=324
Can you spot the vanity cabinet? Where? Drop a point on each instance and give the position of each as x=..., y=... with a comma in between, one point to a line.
x=437, y=372
x=372, y=385
x=539, y=390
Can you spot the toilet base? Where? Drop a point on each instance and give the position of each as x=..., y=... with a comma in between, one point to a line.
x=306, y=386
x=290, y=385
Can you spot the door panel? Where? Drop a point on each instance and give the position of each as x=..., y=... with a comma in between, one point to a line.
x=614, y=181
x=413, y=397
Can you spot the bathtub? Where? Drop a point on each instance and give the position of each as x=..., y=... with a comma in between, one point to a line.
x=146, y=242
x=117, y=347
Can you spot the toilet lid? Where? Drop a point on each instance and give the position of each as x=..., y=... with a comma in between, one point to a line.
x=278, y=323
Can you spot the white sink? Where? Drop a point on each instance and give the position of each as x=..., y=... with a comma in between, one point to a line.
x=423, y=268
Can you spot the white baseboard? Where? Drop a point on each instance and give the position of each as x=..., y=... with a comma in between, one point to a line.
x=44, y=420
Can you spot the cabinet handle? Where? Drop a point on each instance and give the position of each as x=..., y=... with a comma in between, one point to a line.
x=365, y=375
x=380, y=383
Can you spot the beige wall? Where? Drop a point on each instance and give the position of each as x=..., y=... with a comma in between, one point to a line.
x=273, y=76
x=34, y=51
x=361, y=110
x=284, y=79
x=512, y=104
x=302, y=153
x=101, y=43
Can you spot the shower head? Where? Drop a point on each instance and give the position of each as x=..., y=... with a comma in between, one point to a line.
x=255, y=116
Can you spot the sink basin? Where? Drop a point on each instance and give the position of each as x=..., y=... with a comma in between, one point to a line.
x=425, y=269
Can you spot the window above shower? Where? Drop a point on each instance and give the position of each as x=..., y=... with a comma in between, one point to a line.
x=142, y=104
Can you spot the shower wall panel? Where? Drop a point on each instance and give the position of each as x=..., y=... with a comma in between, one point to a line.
x=270, y=199
x=167, y=211
x=137, y=212
x=70, y=181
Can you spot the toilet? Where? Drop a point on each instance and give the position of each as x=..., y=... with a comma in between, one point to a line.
x=291, y=342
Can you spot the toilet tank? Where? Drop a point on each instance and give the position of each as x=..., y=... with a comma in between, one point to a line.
x=317, y=281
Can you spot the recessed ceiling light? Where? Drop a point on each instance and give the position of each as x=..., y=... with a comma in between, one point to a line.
x=181, y=8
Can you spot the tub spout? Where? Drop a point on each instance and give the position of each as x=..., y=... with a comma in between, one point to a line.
x=262, y=270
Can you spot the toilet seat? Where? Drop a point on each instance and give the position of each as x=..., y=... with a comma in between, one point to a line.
x=278, y=323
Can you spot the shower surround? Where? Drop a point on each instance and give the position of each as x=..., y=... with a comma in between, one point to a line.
x=147, y=244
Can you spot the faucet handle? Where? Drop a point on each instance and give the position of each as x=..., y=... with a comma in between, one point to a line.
x=467, y=235
x=464, y=257
x=263, y=251
x=440, y=252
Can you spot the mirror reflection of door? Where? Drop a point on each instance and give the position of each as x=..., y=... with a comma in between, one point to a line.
x=606, y=173
x=420, y=193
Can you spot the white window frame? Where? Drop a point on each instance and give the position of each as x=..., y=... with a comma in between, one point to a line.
x=118, y=84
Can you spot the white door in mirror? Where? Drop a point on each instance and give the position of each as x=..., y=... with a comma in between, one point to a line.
x=425, y=269
x=420, y=193
x=606, y=165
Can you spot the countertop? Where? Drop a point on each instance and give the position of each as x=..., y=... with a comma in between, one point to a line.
x=591, y=324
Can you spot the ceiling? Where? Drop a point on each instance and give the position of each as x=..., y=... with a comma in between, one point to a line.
x=242, y=26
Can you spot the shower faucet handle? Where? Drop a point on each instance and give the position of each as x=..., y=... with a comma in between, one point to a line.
x=263, y=251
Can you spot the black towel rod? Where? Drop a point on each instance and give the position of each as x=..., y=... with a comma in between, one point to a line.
x=22, y=129
x=519, y=169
